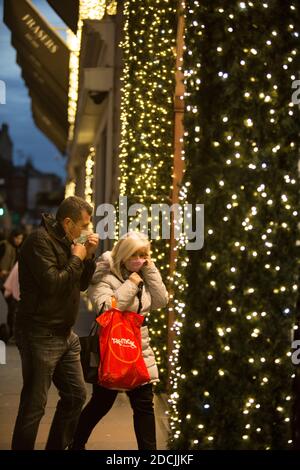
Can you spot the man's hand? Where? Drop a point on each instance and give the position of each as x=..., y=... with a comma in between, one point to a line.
x=79, y=250
x=91, y=244
x=134, y=277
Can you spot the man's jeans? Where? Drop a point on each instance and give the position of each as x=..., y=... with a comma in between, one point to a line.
x=48, y=357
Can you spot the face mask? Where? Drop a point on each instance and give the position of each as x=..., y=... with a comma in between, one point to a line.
x=83, y=237
x=135, y=265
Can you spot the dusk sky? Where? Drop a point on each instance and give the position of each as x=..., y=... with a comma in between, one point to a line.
x=28, y=140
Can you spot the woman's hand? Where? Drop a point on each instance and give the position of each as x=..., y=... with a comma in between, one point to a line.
x=92, y=244
x=149, y=262
x=134, y=277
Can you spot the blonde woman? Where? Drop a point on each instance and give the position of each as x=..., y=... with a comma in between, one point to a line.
x=123, y=273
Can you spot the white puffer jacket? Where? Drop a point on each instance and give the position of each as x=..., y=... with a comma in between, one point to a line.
x=104, y=285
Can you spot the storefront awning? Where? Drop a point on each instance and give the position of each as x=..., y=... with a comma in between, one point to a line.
x=44, y=59
x=68, y=10
x=48, y=125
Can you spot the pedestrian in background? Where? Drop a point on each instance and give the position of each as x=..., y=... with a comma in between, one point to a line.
x=9, y=252
x=12, y=297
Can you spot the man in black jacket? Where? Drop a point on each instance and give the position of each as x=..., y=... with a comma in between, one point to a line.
x=53, y=269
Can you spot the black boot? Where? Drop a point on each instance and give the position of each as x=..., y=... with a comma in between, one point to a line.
x=74, y=446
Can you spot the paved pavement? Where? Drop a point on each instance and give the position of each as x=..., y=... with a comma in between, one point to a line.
x=114, y=432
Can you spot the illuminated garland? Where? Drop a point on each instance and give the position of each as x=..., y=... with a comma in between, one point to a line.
x=70, y=189
x=89, y=176
x=236, y=298
x=146, y=153
x=88, y=9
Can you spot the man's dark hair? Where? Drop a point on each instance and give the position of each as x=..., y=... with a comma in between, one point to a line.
x=72, y=207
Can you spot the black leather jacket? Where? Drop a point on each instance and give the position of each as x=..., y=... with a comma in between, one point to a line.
x=51, y=278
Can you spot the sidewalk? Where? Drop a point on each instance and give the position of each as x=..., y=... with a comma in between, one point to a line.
x=114, y=432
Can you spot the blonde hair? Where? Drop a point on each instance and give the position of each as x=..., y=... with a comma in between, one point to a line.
x=126, y=247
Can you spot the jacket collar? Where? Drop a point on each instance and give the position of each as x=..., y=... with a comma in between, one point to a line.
x=55, y=229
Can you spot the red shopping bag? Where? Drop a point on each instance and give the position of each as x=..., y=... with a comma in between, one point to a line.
x=122, y=366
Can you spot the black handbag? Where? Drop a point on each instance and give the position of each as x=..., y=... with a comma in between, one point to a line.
x=90, y=352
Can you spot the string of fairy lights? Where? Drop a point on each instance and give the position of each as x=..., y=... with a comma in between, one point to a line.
x=258, y=243
x=150, y=100
x=89, y=176
x=88, y=9
x=146, y=154
x=145, y=177
x=70, y=189
x=93, y=10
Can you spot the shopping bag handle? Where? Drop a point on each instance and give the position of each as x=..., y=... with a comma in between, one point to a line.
x=113, y=302
x=139, y=296
x=95, y=324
